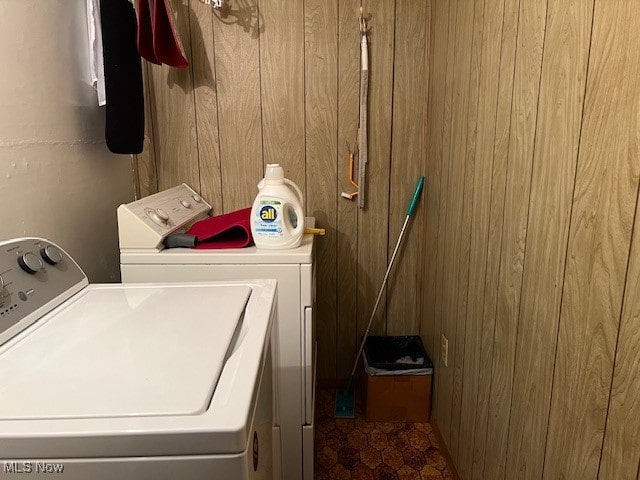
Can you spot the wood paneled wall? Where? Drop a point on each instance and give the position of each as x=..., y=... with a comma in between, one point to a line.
x=533, y=242
x=278, y=81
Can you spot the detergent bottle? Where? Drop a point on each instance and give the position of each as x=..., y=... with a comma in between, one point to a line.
x=277, y=215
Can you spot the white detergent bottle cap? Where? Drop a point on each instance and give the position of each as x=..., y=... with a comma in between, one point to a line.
x=274, y=174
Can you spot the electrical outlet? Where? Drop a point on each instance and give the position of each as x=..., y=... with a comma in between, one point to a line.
x=444, y=350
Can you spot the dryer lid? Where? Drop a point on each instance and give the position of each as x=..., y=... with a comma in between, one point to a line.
x=122, y=351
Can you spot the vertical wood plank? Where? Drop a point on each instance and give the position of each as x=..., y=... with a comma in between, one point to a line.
x=599, y=240
x=462, y=181
x=466, y=229
x=407, y=161
x=282, y=86
x=145, y=163
x=239, y=109
x=498, y=186
x=372, y=239
x=448, y=327
x=487, y=105
x=438, y=67
x=514, y=232
x=425, y=159
x=321, y=105
x=427, y=135
x=621, y=448
x=443, y=19
x=444, y=373
x=556, y=152
x=347, y=223
x=206, y=105
x=173, y=112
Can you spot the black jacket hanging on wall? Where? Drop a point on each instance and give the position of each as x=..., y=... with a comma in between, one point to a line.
x=123, y=77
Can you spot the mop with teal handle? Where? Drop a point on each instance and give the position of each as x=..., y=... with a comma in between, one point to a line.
x=345, y=397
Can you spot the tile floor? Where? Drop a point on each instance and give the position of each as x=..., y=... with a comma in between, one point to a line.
x=354, y=449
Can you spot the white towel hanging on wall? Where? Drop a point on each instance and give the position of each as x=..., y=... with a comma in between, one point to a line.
x=96, y=61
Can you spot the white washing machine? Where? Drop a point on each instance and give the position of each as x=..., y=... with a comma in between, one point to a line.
x=144, y=224
x=142, y=381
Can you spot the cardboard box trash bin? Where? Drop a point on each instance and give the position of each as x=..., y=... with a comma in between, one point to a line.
x=397, y=378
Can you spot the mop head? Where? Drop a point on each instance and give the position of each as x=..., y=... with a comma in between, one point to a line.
x=345, y=402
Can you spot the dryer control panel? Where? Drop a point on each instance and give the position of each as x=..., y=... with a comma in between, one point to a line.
x=35, y=277
x=144, y=224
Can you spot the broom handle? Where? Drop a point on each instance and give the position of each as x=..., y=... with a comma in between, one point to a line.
x=410, y=210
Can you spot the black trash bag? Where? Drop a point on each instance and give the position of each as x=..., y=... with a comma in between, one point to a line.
x=391, y=353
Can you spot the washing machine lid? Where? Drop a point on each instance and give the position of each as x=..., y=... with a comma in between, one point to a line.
x=122, y=351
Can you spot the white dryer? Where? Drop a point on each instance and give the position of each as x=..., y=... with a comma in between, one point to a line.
x=144, y=224
x=145, y=381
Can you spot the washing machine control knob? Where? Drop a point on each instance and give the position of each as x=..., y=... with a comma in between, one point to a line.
x=50, y=254
x=158, y=216
x=196, y=198
x=30, y=263
x=162, y=214
x=185, y=203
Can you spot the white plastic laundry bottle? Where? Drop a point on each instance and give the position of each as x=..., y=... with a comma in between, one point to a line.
x=277, y=215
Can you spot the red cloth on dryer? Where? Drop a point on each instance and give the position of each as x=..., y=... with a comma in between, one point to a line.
x=231, y=230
